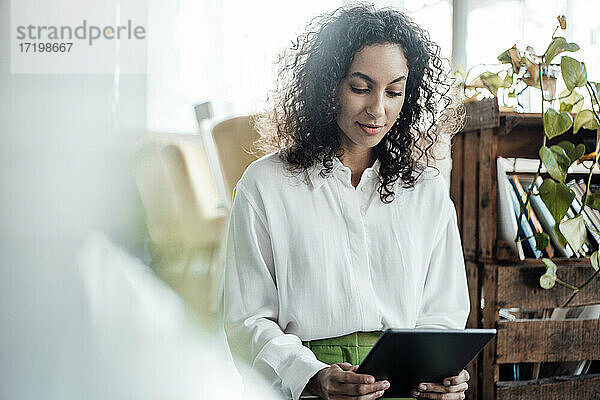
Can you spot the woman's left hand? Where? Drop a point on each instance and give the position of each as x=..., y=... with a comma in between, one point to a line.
x=452, y=388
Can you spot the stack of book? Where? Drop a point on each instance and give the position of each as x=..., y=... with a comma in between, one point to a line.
x=513, y=185
x=515, y=177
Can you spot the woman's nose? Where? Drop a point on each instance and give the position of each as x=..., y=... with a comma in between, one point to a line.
x=376, y=106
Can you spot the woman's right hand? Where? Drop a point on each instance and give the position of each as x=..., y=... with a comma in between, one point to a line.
x=340, y=380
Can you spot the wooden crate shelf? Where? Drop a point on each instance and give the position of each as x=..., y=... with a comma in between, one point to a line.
x=498, y=281
x=555, y=388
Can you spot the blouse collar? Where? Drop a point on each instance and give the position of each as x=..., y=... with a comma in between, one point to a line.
x=314, y=173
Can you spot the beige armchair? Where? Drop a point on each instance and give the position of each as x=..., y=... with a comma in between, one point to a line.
x=183, y=214
x=234, y=140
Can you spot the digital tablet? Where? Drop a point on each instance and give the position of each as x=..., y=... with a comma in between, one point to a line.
x=407, y=357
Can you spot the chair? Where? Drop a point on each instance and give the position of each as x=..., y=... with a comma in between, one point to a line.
x=234, y=140
x=184, y=217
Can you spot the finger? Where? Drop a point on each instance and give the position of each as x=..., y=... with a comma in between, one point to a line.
x=460, y=378
x=345, y=366
x=462, y=387
x=437, y=388
x=371, y=396
x=362, y=389
x=438, y=396
x=431, y=387
x=353, y=377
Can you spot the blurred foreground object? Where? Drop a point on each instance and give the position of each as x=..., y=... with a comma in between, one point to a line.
x=184, y=215
x=138, y=339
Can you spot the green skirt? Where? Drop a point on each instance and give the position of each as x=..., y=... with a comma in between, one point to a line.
x=352, y=348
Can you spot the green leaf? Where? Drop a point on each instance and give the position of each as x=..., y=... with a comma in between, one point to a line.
x=572, y=47
x=493, y=81
x=565, y=107
x=574, y=153
x=573, y=72
x=574, y=231
x=593, y=200
x=541, y=240
x=505, y=57
x=595, y=260
x=556, y=161
x=551, y=268
x=556, y=123
x=460, y=72
x=557, y=46
x=579, y=152
x=508, y=80
x=584, y=119
x=573, y=102
x=548, y=279
x=562, y=157
x=559, y=236
x=557, y=197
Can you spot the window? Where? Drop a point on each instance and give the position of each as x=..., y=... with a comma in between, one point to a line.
x=223, y=51
x=219, y=51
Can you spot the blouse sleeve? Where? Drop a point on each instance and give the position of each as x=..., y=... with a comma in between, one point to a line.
x=445, y=300
x=251, y=304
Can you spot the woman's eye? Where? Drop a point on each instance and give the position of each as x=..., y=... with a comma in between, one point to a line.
x=393, y=94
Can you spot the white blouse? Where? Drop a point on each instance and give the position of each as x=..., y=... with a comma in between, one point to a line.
x=310, y=257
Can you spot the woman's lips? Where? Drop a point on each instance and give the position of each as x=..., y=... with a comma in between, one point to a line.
x=371, y=129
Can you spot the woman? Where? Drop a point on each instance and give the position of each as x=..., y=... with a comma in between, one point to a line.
x=345, y=230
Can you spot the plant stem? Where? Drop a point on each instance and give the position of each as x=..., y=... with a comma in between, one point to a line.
x=475, y=66
x=526, y=238
x=587, y=187
x=589, y=181
x=584, y=198
x=588, y=86
x=567, y=285
x=594, y=275
x=570, y=299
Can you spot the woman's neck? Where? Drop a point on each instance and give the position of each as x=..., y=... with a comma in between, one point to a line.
x=357, y=161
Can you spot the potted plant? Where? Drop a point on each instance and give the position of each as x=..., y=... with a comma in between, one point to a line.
x=576, y=107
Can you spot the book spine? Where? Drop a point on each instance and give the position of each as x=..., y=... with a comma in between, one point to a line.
x=525, y=227
x=532, y=216
x=507, y=223
x=579, y=188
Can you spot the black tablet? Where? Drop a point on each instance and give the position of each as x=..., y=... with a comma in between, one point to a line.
x=407, y=357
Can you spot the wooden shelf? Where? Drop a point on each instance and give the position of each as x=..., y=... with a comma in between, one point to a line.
x=558, y=387
x=498, y=280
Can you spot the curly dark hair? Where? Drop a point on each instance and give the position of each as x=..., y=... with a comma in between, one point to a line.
x=302, y=120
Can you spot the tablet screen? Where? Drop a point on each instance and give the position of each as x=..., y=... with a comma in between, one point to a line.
x=407, y=357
